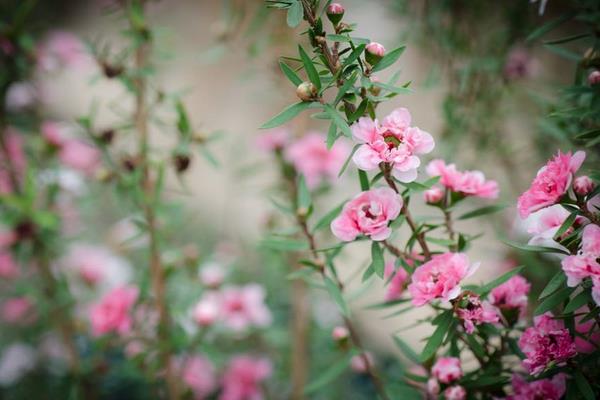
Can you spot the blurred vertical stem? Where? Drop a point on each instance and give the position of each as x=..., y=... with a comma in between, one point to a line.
x=142, y=56
x=299, y=327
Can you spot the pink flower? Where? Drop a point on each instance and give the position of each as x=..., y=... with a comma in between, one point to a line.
x=8, y=266
x=433, y=195
x=243, y=377
x=340, y=333
x=589, y=338
x=113, y=312
x=16, y=158
x=433, y=387
x=18, y=310
x=519, y=64
x=20, y=96
x=79, y=155
x=447, y=369
x=467, y=183
x=54, y=133
x=199, y=375
x=455, y=392
x=475, y=312
x=272, y=140
x=206, y=311
x=369, y=214
x=376, y=49
x=551, y=182
x=511, y=294
x=243, y=306
x=394, y=142
x=61, y=49
x=548, y=341
x=582, y=185
x=440, y=278
x=311, y=158
x=544, y=224
x=212, y=275
x=335, y=8
x=361, y=363
x=96, y=265
x=397, y=278
x=585, y=263
x=547, y=389
x=594, y=78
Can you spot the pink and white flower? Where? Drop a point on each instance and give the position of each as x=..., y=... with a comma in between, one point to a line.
x=447, y=369
x=311, y=157
x=369, y=214
x=548, y=341
x=394, y=142
x=512, y=294
x=397, y=278
x=455, y=392
x=60, y=49
x=585, y=263
x=467, y=183
x=198, y=374
x=551, y=183
x=547, y=389
x=206, y=311
x=544, y=224
x=80, y=156
x=440, y=278
x=243, y=378
x=476, y=312
x=113, y=313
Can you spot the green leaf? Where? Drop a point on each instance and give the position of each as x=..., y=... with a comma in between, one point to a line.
x=301, y=273
x=441, y=242
x=437, y=338
x=406, y=350
x=347, y=39
x=325, y=221
x=283, y=244
x=547, y=27
x=336, y=294
x=303, y=199
x=485, y=289
x=567, y=39
x=364, y=180
x=295, y=14
x=338, y=120
x=389, y=59
x=347, y=85
x=291, y=75
x=577, y=302
x=392, y=88
x=369, y=272
x=310, y=69
x=377, y=262
x=535, y=249
x=354, y=55
x=289, y=113
x=356, y=146
x=557, y=281
x=334, y=371
x=554, y=300
x=482, y=211
x=583, y=385
x=565, y=225
x=475, y=346
x=183, y=122
x=331, y=135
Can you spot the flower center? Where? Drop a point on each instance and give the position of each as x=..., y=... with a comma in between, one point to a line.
x=391, y=140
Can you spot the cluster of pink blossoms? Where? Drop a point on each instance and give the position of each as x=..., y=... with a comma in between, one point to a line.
x=548, y=341
x=446, y=370
x=467, y=183
x=393, y=142
x=369, y=214
x=236, y=307
x=113, y=313
x=440, y=278
x=476, y=312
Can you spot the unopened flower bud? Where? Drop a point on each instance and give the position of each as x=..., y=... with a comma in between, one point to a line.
x=375, y=90
x=206, y=313
x=433, y=195
x=433, y=387
x=583, y=185
x=335, y=13
x=594, y=78
x=302, y=212
x=374, y=52
x=340, y=333
x=111, y=71
x=212, y=275
x=306, y=91
x=181, y=161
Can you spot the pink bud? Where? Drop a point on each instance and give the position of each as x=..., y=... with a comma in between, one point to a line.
x=205, y=313
x=433, y=387
x=583, y=185
x=456, y=392
x=335, y=8
x=358, y=363
x=594, y=77
x=339, y=333
x=212, y=275
x=433, y=195
x=376, y=49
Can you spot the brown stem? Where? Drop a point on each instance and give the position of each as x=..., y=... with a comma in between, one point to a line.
x=299, y=329
x=156, y=269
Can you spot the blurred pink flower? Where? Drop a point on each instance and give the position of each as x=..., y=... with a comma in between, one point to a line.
x=80, y=156
x=54, y=133
x=311, y=158
x=455, y=392
x=96, y=265
x=340, y=333
x=440, y=278
x=594, y=77
x=582, y=185
x=17, y=360
x=397, y=279
x=243, y=378
x=476, y=312
x=433, y=195
x=544, y=224
x=18, y=310
x=447, y=369
x=61, y=49
x=16, y=158
x=206, y=312
x=20, y=96
x=585, y=263
x=358, y=363
x=212, y=274
x=548, y=341
x=546, y=389
x=113, y=312
x=8, y=266
x=369, y=214
x=198, y=373
x=552, y=181
x=519, y=64
x=394, y=142
x=273, y=139
x=511, y=294
x=241, y=307
x=467, y=183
